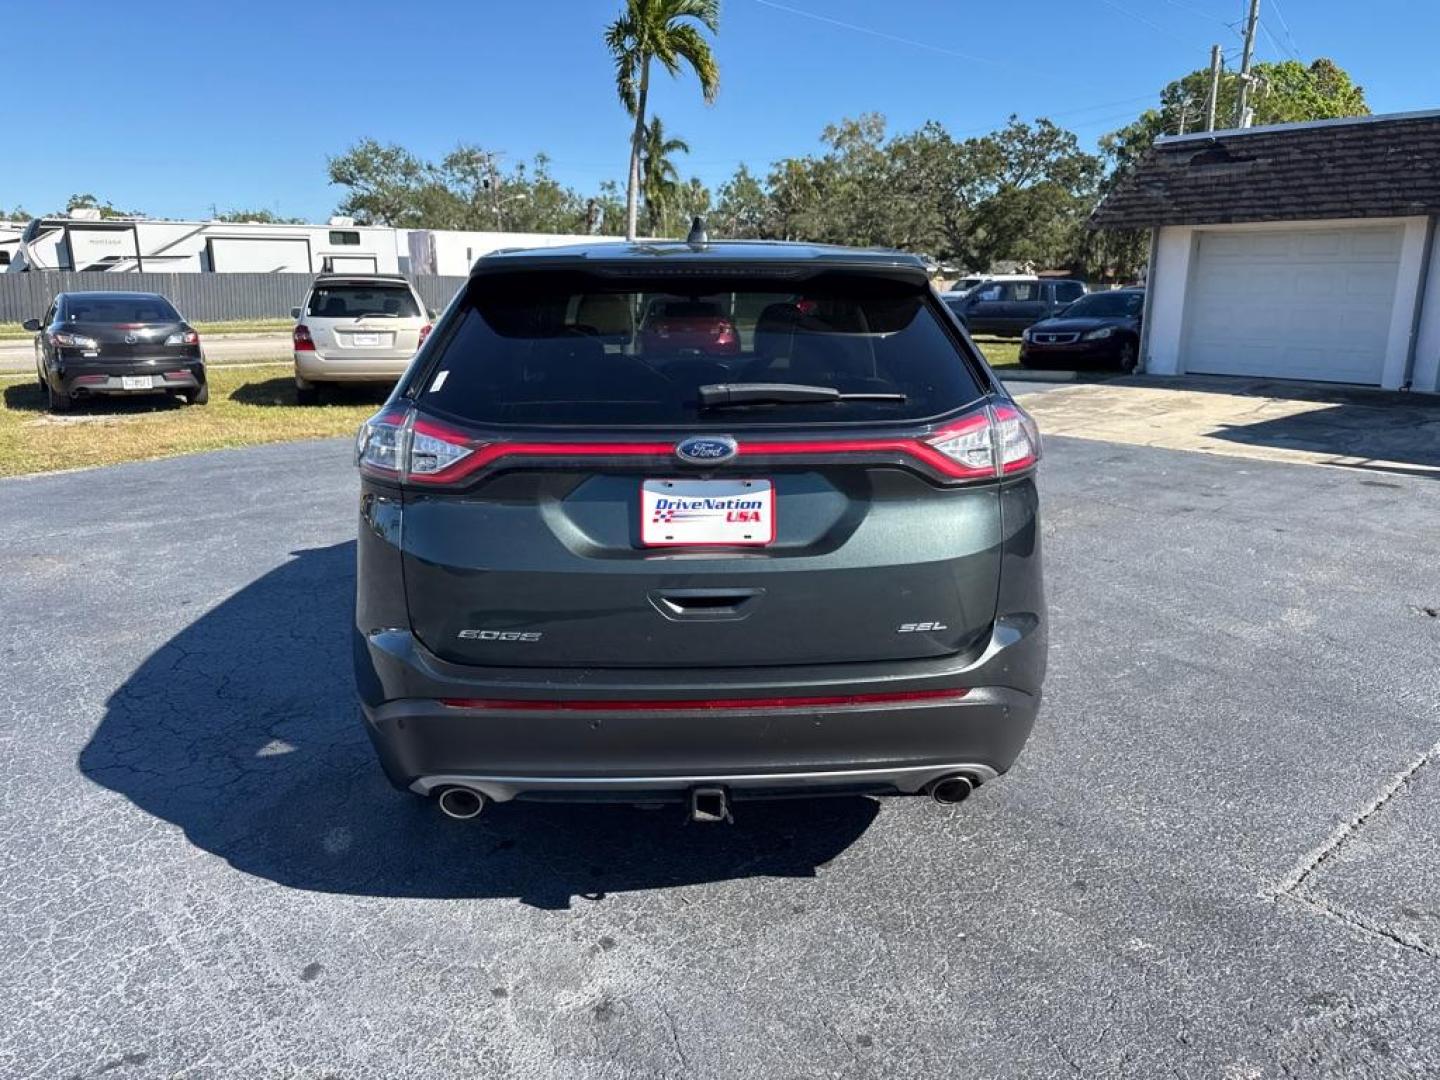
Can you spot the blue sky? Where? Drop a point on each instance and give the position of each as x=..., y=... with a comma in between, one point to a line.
x=171, y=106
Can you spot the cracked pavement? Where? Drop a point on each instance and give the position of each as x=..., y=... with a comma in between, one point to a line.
x=1216, y=858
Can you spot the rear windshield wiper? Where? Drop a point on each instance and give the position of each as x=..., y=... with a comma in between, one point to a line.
x=724, y=395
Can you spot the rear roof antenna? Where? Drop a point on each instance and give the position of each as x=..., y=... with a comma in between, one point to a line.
x=698, y=236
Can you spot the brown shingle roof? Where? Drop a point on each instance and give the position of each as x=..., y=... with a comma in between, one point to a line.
x=1381, y=166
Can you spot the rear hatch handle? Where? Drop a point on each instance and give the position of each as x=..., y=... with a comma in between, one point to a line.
x=705, y=605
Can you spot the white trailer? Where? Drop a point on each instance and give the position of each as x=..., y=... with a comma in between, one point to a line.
x=9, y=243
x=436, y=251
x=121, y=245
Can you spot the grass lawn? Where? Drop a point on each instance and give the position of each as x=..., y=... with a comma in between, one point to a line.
x=247, y=406
x=12, y=331
x=1000, y=352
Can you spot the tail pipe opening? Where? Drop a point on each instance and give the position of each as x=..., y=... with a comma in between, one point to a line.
x=949, y=790
x=462, y=803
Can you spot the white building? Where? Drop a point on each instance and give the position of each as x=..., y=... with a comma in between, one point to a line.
x=1296, y=251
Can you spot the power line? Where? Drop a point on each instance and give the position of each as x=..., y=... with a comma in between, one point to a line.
x=1285, y=26
x=1146, y=22
x=1198, y=11
x=1280, y=50
x=1103, y=121
x=881, y=34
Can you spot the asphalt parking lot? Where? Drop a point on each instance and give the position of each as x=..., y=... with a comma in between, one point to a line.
x=1218, y=856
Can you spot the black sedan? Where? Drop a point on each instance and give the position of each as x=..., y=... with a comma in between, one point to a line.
x=1102, y=328
x=120, y=343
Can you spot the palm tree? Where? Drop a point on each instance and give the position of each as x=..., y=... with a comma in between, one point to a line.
x=662, y=30
x=659, y=179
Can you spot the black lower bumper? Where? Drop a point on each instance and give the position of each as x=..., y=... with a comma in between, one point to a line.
x=543, y=734
x=172, y=376
x=1104, y=353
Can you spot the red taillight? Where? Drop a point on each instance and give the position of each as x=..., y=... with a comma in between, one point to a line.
x=989, y=442
x=771, y=704
x=303, y=341
x=425, y=332
x=395, y=445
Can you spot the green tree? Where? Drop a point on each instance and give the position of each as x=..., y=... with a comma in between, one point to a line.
x=692, y=200
x=666, y=31
x=1029, y=188
x=605, y=213
x=742, y=211
x=470, y=188
x=659, y=179
x=383, y=181
x=1291, y=91
x=87, y=201
x=1018, y=193
x=264, y=217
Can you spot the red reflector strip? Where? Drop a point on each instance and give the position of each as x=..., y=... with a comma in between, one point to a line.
x=913, y=448
x=177, y=374
x=89, y=378
x=488, y=453
x=702, y=704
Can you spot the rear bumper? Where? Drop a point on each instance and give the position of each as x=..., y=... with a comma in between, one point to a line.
x=654, y=753
x=1104, y=351
x=900, y=780
x=108, y=378
x=317, y=367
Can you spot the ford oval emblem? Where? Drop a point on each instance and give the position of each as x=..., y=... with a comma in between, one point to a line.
x=706, y=449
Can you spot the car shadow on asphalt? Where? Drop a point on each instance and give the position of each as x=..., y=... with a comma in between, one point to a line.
x=281, y=391
x=242, y=731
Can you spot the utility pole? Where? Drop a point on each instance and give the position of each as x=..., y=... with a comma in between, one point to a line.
x=1213, y=98
x=1242, y=114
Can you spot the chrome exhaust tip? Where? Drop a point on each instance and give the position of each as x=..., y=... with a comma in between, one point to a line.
x=462, y=803
x=949, y=790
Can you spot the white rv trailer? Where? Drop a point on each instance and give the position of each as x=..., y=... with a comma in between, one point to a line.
x=442, y=251
x=83, y=241
x=9, y=243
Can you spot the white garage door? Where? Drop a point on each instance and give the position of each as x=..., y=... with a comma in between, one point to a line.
x=1293, y=303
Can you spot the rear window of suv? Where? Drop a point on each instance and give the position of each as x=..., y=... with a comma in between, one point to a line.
x=564, y=349
x=353, y=301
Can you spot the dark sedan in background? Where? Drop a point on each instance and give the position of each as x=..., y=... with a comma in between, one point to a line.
x=1101, y=329
x=116, y=343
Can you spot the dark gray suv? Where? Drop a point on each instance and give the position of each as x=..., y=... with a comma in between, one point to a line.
x=785, y=544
